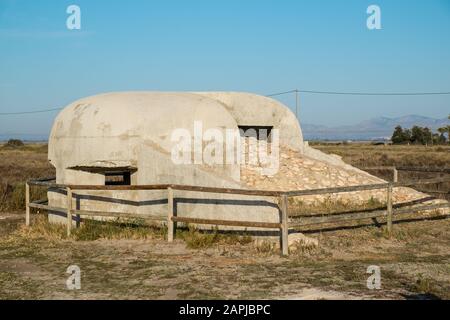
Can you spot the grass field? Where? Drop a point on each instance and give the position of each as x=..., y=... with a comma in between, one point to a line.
x=366, y=155
x=133, y=261
x=18, y=165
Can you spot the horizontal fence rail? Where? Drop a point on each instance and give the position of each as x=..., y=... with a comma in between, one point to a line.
x=283, y=225
x=420, y=169
x=364, y=215
x=267, y=225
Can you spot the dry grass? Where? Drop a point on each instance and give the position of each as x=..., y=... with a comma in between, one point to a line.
x=142, y=265
x=414, y=265
x=131, y=229
x=197, y=239
x=30, y=161
x=90, y=230
x=18, y=165
x=365, y=155
x=330, y=205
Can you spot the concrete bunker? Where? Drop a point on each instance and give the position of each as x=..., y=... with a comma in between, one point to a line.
x=126, y=138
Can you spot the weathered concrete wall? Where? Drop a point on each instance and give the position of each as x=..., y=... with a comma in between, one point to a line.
x=186, y=204
x=251, y=109
x=133, y=130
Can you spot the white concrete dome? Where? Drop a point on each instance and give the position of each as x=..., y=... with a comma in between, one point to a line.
x=133, y=130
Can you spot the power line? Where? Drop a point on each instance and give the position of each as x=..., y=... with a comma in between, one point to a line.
x=287, y=92
x=362, y=93
x=28, y=112
x=281, y=93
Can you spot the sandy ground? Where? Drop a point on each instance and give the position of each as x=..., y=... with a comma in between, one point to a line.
x=415, y=264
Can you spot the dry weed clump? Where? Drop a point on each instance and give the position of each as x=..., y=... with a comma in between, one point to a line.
x=90, y=230
x=330, y=205
x=197, y=239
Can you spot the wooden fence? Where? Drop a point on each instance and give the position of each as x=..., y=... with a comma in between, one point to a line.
x=283, y=225
x=395, y=171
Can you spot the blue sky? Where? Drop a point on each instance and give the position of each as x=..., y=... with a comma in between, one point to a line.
x=258, y=46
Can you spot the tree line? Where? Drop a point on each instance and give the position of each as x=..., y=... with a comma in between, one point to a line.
x=421, y=135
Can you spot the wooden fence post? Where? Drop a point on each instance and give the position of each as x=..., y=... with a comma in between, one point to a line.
x=27, y=204
x=171, y=225
x=389, y=209
x=284, y=242
x=395, y=171
x=69, y=211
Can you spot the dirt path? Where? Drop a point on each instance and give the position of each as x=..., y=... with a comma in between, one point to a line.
x=414, y=264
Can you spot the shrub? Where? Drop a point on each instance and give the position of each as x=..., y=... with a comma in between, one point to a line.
x=14, y=143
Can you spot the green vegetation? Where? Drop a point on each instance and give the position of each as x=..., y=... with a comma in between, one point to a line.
x=14, y=143
x=419, y=135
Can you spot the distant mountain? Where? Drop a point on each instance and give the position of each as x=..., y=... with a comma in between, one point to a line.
x=373, y=129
